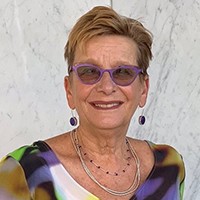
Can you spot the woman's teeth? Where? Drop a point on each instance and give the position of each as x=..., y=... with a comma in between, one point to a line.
x=107, y=105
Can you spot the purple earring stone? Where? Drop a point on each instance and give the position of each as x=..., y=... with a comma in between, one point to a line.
x=141, y=120
x=73, y=121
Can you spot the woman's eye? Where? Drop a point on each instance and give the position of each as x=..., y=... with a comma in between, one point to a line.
x=87, y=71
x=123, y=71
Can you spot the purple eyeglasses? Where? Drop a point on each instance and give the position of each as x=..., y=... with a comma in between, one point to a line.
x=90, y=74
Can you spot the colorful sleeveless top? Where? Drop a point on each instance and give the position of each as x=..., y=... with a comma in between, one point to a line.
x=35, y=173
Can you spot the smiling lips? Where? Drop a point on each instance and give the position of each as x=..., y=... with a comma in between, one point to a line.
x=106, y=105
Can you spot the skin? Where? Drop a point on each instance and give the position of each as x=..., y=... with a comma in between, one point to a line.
x=105, y=110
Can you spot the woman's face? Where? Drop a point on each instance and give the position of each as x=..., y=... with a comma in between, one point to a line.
x=105, y=104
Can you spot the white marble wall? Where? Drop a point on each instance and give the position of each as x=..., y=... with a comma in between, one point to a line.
x=32, y=68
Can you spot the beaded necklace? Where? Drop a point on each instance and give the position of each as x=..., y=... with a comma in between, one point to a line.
x=116, y=173
x=136, y=179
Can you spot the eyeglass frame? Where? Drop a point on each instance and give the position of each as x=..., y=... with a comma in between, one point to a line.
x=136, y=69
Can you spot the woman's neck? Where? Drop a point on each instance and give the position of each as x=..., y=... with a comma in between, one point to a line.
x=102, y=142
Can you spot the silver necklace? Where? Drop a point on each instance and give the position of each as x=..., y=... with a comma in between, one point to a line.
x=136, y=180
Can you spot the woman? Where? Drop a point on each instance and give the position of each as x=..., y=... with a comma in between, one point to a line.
x=108, y=56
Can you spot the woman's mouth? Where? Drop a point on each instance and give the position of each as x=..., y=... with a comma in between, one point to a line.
x=106, y=105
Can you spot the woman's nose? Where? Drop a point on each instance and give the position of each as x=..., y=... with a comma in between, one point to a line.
x=106, y=84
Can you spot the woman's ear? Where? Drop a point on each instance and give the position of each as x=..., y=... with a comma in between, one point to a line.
x=144, y=91
x=69, y=93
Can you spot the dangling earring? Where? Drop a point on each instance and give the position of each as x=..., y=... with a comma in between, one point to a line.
x=73, y=120
x=141, y=119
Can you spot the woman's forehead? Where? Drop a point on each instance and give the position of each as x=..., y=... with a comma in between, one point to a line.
x=108, y=48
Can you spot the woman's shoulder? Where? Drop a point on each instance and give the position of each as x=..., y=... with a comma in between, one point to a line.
x=167, y=157
x=164, y=155
x=27, y=151
x=38, y=149
x=30, y=157
x=28, y=168
x=165, y=152
x=14, y=170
